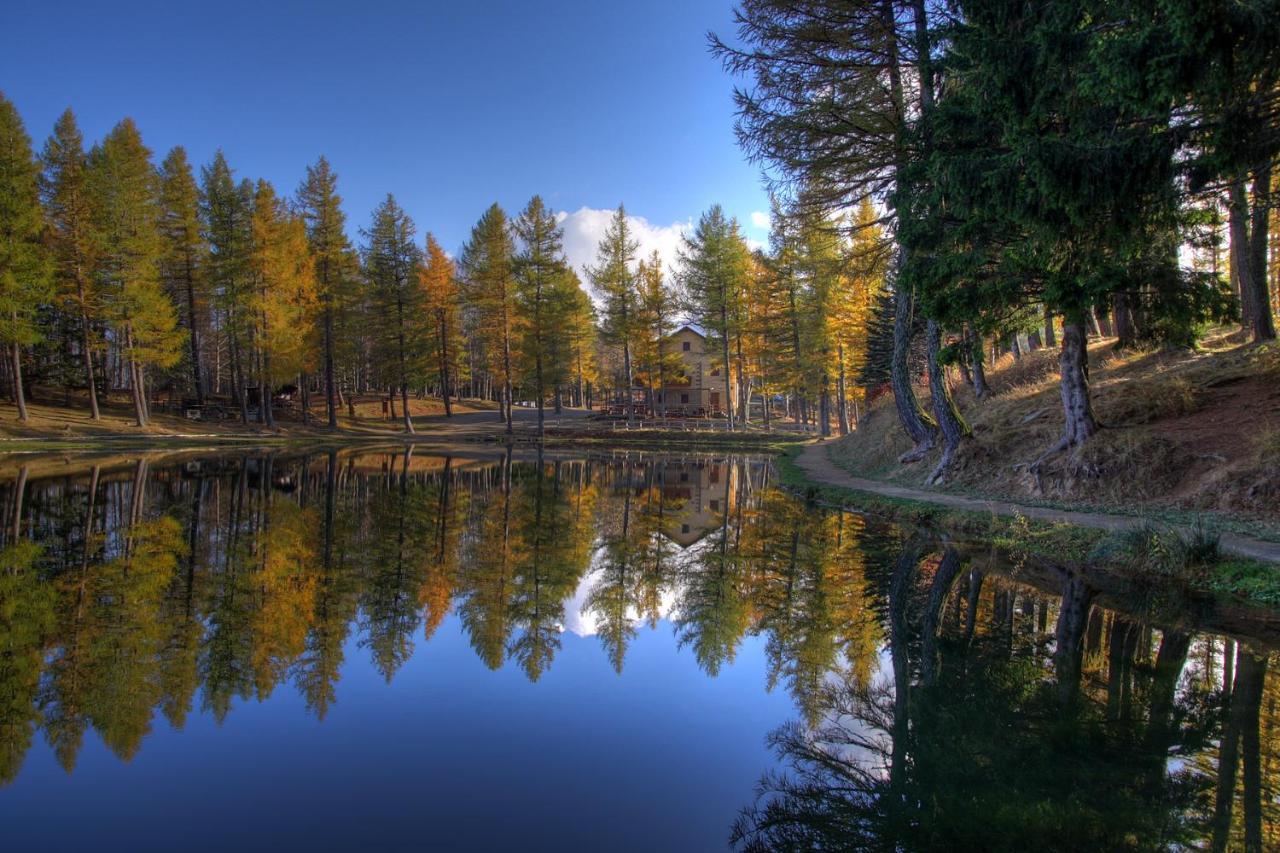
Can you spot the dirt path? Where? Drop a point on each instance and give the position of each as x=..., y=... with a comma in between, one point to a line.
x=819, y=468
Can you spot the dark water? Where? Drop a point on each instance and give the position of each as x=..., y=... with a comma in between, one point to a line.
x=385, y=650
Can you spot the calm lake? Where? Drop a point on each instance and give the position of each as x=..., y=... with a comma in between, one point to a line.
x=389, y=649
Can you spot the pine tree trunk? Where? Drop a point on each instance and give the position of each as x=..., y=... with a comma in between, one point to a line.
x=506, y=364
x=88, y=351
x=444, y=366
x=626, y=369
x=744, y=401
x=1077, y=407
x=1249, y=254
x=304, y=393
x=18, y=396
x=1126, y=334
x=194, y=335
x=1050, y=334
x=237, y=379
x=139, y=414
x=952, y=426
x=265, y=386
x=978, y=356
x=919, y=427
x=1103, y=319
x=842, y=397
x=728, y=391
x=330, y=390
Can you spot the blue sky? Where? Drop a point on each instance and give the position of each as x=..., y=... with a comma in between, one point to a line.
x=450, y=106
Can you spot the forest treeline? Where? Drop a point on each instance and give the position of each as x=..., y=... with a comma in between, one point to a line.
x=1068, y=167
x=123, y=275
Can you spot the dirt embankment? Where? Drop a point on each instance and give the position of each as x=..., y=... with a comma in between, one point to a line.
x=1185, y=435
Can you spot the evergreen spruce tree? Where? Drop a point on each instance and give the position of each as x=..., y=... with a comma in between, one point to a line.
x=614, y=282
x=226, y=210
x=659, y=308
x=184, y=253
x=539, y=269
x=486, y=265
x=142, y=319
x=391, y=265
x=714, y=273
x=71, y=237
x=331, y=251
x=24, y=265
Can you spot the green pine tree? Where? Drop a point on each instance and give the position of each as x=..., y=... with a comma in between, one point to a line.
x=487, y=268
x=71, y=237
x=24, y=270
x=391, y=264
x=185, y=251
x=540, y=275
x=331, y=251
x=141, y=318
x=24, y=265
x=615, y=283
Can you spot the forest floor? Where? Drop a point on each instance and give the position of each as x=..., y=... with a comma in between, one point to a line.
x=63, y=427
x=1188, y=438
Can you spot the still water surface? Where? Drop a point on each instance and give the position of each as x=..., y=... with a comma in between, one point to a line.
x=618, y=651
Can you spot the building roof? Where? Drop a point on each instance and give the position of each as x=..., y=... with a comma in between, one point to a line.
x=693, y=327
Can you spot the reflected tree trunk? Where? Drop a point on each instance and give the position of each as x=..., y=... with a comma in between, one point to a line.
x=1073, y=618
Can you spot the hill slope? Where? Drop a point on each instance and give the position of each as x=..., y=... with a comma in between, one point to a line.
x=1184, y=434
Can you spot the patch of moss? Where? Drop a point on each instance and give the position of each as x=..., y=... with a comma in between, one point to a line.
x=1247, y=579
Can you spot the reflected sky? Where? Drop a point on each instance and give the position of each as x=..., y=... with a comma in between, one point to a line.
x=600, y=651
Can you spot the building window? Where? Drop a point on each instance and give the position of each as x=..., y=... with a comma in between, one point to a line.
x=715, y=506
x=684, y=528
x=685, y=346
x=684, y=476
x=715, y=371
x=684, y=398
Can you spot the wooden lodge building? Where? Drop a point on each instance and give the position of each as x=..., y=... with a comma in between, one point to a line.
x=697, y=390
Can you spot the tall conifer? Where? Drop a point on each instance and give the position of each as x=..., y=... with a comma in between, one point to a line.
x=24, y=267
x=67, y=210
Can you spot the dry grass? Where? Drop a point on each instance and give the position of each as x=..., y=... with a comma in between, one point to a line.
x=1181, y=431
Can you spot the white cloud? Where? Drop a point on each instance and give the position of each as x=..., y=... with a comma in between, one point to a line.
x=760, y=220
x=585, y=226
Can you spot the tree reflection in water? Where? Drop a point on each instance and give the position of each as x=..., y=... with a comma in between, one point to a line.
x=945, y=697
x=997, y=730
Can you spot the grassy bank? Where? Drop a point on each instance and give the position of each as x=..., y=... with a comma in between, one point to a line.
x=1185, y=436
x=1150, y=550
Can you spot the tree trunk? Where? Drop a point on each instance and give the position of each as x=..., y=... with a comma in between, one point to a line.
x=1126, y=334
x=330, y=390
x=919, y=427
x=1050, y=333
x=977, y=359
x=18, y=395
x=304, y=397
x=444, y=365
x=1077, y=407
x=237, y=379
x=264, y=384
x=88, y=352
x=1103, y=319
x=842, y=403
x=1249, y=254
x=824, y=406
x=194, y=332
x=952, y=426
